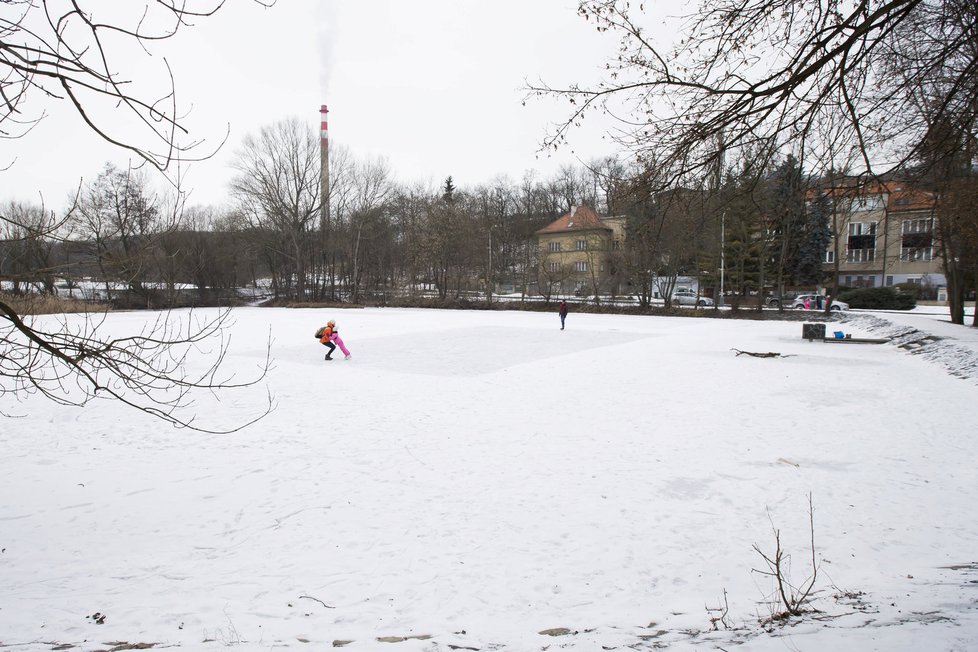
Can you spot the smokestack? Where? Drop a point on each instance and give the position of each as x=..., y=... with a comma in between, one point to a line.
x=324, y=161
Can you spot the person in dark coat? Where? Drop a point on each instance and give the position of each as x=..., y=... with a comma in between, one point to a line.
x=326, y=338
x=562, y=311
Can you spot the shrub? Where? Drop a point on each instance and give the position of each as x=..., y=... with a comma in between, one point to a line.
x=912, y=289
x=47, y=304
x=878, y=299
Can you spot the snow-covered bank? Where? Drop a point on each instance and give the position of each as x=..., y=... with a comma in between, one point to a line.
x=928, y=333
x=471, y=479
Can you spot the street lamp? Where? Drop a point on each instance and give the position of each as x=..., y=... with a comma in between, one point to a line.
x=723, y=224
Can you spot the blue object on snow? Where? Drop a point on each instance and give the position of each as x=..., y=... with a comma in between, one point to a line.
x=839, y=335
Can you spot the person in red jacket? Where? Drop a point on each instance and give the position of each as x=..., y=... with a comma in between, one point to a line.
x=326, y=339
x=331, y=338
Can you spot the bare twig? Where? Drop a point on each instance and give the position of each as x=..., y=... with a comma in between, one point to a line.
x=309, y=597
x=160, y=371
x=721, y=612
x=770, y=354
x=792, y=599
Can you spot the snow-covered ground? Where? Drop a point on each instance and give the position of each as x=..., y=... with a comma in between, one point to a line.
x=481, y=480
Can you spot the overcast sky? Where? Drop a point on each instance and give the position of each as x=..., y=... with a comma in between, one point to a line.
x=434, y=86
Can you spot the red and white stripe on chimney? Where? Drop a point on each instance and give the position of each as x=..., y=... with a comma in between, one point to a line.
x=323, y=128
x=324, y=161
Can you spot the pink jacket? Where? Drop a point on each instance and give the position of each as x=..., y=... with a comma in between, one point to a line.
x=335, y=337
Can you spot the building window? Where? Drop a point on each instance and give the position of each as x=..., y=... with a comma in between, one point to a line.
x=861, y=281
x=830, y=256
x=918, y=226
x=889, y=280
x=866, y=203
x=862, y=228
x=553, y=267
x=912, y=254
x=861, y=245
x=554, y=246
x=580, y=266
x=581, y=245
x=860, y=255
x=916, y=240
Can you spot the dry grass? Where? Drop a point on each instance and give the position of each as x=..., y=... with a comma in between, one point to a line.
x=45, y=304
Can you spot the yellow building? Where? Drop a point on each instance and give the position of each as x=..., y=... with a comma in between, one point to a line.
x=575, y=254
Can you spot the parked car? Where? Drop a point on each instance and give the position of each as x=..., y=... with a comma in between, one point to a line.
x=687, y=297
x=799, y=302
x=786, y=300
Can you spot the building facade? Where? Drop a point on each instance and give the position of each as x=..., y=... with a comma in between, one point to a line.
x=576, y=254
x=882, y=235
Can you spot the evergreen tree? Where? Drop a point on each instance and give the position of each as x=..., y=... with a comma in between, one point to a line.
x=449, y=191
x=816, y=235
x=786, y=218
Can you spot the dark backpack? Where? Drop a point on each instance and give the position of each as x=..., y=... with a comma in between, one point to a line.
x=319, y=332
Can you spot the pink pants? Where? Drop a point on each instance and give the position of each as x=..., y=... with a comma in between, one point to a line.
x=339, y=343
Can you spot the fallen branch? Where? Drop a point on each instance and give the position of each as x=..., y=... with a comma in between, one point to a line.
x=309, y=597
x=770, y=354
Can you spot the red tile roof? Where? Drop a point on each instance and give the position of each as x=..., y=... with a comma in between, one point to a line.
x=909, y=199
x=581, y=218
x=901, y=196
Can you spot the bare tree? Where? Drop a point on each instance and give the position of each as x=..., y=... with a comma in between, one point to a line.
x=71, y=362
x=790, y=599
x=843, y=84
x=409, y=207
x=492, y=211
x=528, y=210
x=26, y=251
x=278, y=188
x=554, y=274
x=942, y=87
x=784, y=214
x=779, y=71
x=125, y=221
x=58, y=52
x=451, y=244
x=570, y=187
x=957, y=224
x=606, y=176
x=372, y=187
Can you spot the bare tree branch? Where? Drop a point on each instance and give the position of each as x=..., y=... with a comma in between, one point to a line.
x=153, y=372
x=58, y=49
x=781, y=71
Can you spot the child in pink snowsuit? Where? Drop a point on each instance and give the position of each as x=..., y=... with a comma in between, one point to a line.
x=335, y=338
x=329, y=338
